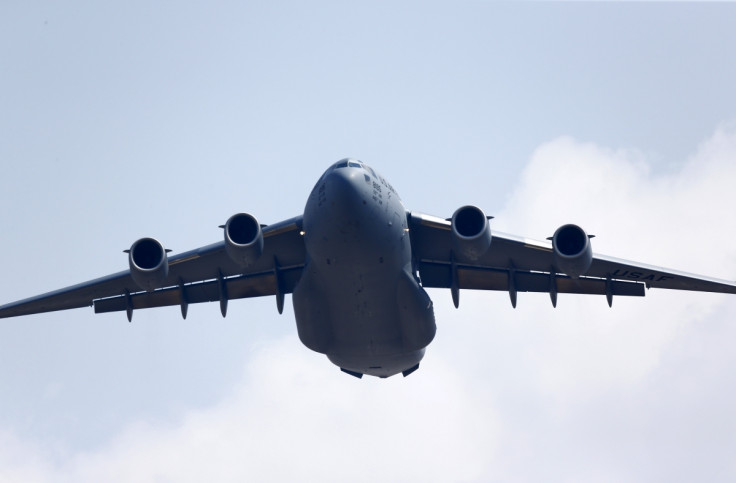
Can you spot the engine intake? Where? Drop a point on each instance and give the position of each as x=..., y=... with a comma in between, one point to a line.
x=243, y=239
x=149, y=264
x=572, y=250
x=471, y=233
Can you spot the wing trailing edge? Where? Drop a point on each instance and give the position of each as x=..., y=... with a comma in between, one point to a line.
x=276, y=282
x=440, y=275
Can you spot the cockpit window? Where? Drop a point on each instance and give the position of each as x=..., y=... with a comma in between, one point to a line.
x=347, y=163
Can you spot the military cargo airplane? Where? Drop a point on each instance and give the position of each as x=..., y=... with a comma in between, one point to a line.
x=356, y=263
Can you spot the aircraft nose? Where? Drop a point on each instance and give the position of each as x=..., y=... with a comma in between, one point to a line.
x=345, y=191
x=335, y=216
x=347, y=223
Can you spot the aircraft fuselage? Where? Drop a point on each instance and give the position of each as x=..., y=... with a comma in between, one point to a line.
x=358, y=300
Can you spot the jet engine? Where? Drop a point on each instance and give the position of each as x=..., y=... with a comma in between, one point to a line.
x=243, y=239
x=149, y=264
x=471, y=233
x=572, y=251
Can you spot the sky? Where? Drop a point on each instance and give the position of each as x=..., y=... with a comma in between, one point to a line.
x=139, y=119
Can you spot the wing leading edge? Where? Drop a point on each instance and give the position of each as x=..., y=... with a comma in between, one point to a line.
x=516, y=264
x=512, y=264
x=205, y=274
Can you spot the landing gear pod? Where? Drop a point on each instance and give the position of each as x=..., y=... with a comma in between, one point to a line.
x=572, y=251
x=471, y=233
x=149, y=264
x=243, y=239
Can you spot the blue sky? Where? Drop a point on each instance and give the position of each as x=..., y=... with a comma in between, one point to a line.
x=118, y=122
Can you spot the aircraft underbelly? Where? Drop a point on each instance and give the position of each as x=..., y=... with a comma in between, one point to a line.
x=369, y=323
x=358, y=301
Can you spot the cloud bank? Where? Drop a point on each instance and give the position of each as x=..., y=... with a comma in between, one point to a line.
x=642, y=392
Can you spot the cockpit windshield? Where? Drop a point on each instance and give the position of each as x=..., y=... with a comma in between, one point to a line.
x=347, y=163
x=372, y=178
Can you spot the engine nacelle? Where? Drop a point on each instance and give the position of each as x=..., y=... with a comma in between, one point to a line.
x=471, y=233
x=572, y=251
x=243, y=239
x=149, y=264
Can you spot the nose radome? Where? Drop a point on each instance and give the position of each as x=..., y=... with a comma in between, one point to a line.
x=344, y=186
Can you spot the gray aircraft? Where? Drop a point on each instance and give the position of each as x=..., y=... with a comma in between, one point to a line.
x=356, y=263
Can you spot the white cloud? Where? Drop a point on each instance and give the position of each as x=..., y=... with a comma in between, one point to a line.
x=296, y=418
x=640, y=392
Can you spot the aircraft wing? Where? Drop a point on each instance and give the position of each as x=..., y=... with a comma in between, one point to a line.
x=206, y=274
x=517, y=264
